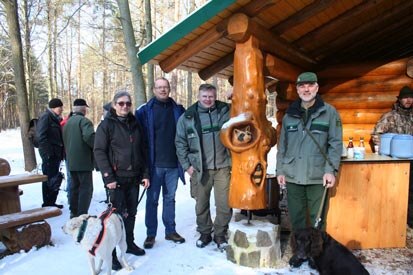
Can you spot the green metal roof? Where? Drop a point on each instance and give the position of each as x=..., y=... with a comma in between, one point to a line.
x=193, y=21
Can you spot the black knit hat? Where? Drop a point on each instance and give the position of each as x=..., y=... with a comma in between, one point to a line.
x=55, y=102
x=405, y=92
x=80, y=102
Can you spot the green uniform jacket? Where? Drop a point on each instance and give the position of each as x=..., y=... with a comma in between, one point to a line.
x=298, y=157
x=79, y=138
x=188, y=138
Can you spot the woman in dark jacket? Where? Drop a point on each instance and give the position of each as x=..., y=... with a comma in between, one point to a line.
x=120, y=154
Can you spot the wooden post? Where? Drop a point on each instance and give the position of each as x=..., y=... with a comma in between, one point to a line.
x=249, y=157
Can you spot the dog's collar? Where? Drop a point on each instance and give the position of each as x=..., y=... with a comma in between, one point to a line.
x=82, y=230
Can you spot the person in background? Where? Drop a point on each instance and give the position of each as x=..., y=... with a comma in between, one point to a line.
x=79, y=137
x=399, y=121
x=68, y=177
x=158, y=118
x=207, y=161
x=120, y=153
x=51, y=149
x=301, y=166
x=106, y=109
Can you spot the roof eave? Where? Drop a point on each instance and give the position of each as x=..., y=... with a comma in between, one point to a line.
x=183, y=28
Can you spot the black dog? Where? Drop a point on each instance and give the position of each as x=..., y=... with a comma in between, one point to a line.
x=323, y=253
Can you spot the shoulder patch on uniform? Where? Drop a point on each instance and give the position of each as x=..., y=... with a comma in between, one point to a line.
x=338, y=122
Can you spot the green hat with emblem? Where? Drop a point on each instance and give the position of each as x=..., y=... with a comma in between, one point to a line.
x=307, y=77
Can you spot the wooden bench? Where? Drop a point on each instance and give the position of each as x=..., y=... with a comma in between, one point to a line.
x=25, y=229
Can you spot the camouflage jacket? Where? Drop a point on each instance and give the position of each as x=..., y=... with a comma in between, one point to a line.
x=398, y=121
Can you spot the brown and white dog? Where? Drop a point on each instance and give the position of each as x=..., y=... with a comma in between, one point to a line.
x=87, y=229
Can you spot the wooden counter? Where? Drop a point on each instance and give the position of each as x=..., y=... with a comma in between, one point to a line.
x=368, y=206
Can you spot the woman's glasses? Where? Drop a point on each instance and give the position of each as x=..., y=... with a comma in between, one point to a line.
x=122, y=103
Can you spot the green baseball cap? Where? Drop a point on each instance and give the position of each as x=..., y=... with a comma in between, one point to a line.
x=307, y=77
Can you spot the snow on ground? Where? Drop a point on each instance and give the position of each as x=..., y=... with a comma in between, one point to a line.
x=65, y=257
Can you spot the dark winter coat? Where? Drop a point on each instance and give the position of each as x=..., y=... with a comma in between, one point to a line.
x=145, y=116
x=49, y=136
x=79, y=138
x=120, y=148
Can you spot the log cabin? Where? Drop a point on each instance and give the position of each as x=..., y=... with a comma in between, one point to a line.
x=361, y=51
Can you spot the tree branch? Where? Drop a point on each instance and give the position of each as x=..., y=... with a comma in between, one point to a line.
x=70, y=18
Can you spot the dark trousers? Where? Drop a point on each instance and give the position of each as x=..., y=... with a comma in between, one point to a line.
x=304, y=203
x=125, y=199
x=81, y=191
x=50, y=167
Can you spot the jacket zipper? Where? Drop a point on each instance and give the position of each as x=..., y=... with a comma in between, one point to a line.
x=213, y=138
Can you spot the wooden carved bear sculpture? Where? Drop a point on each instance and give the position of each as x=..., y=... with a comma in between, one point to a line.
x=241, y=136
x=248, y=134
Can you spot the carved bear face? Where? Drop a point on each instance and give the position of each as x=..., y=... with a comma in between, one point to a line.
x=241, y=136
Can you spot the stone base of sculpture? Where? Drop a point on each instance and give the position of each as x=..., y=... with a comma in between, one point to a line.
x=254, y=243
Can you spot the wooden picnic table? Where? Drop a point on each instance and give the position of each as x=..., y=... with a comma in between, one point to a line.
x=9, y=190
x=21, y=230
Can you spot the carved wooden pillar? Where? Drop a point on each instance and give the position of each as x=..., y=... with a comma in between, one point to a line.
x=249, y=155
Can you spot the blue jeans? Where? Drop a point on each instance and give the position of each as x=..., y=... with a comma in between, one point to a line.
x=167, y=178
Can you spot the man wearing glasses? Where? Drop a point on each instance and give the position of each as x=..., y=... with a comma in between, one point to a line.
x=158, y=118
x=120, y=154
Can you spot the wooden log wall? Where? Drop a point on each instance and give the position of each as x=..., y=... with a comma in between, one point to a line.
x=361, y=93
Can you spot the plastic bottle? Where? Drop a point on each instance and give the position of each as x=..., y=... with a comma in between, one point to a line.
x=350, y=148
x=360, y=152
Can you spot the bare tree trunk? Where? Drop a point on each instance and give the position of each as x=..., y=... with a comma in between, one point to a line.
x=69, y=58
x=148, y=39
x=174, y=73
x=50, y=48
x=132, y=50
x=189, y=74
x=28, y=53
x=54, y=47
x=104, y=62
x=79, y=56
x=189, y=89
x=18, y=65
x=177, y=13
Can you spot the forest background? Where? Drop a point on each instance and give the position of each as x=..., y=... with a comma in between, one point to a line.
x=84, y=49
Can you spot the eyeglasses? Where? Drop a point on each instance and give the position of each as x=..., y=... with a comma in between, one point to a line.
x=122, y=103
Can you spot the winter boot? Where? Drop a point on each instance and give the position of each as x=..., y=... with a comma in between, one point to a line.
x=221, y=242
x=204, y=240
x=134, y=249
